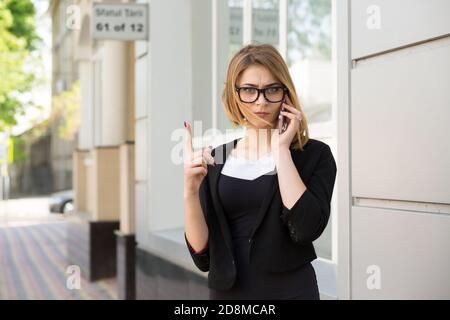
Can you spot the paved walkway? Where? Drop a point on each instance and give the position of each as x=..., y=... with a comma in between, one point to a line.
x=33, y=256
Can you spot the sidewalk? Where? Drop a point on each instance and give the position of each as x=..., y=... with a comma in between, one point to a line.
x=33, y=256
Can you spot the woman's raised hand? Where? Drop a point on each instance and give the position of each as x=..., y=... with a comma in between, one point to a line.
x=195, y=163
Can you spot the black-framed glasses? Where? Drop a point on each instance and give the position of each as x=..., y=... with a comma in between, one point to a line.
x=271, y=94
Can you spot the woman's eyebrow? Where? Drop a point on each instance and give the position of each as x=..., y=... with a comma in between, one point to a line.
x=265, y=86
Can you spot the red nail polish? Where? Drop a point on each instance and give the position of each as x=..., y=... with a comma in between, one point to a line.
x=184, y=122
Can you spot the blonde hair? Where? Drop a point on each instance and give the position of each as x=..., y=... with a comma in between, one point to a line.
x=266, y=56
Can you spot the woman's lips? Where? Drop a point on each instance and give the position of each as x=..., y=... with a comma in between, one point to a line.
x=261, y=114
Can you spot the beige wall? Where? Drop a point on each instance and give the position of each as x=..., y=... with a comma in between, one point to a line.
x=106, y=184
x=131, y=97
x=80, y=180
x=107, y=128
x=127, y=223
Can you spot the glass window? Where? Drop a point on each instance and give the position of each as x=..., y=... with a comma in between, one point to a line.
x=265, y=21
x=323, y=244
x=236, y=26
x=309, y=55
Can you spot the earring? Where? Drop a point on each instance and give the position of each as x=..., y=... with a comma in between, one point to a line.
x=245, y=119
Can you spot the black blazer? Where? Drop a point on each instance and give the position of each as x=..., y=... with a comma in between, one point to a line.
x=282, y=239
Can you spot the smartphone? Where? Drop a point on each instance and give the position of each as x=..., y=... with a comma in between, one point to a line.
x=281, y=121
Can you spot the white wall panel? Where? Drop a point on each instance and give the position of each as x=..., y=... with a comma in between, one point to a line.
x=410, y=249
x=400, y=129
x=402, y=22
x=141, y=150
x=141, y=87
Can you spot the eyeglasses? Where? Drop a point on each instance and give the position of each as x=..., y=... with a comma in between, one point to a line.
x=271, y=94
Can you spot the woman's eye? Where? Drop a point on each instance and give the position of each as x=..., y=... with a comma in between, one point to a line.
x=273, y=90
x=249, y=90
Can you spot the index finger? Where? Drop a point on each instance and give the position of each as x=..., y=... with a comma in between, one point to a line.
x=188, y=146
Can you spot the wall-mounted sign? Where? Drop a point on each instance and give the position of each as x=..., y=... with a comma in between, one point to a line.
x=119, y=21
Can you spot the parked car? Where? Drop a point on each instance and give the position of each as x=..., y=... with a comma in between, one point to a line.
x=61, y=202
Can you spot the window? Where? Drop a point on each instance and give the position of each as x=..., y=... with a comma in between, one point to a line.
x=302, y=31
x=235, y=27
x=265, y=22
x=309, y=55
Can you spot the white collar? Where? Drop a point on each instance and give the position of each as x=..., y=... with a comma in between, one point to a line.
x=249, y=169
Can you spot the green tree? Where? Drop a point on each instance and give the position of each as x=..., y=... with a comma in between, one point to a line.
x=18, y=39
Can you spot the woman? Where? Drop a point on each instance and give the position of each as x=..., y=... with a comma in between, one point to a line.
x=254, y=206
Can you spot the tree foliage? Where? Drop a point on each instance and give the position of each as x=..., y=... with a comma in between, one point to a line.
x=18, y=39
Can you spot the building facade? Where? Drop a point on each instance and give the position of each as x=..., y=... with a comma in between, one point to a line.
x=64, y=75
x=364, y=73
x=101, y=230
x=191, y=57
x=393, y=70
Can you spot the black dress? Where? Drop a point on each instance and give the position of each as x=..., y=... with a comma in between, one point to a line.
x=241, y=200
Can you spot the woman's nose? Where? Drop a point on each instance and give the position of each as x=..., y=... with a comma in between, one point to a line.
x=261, y=99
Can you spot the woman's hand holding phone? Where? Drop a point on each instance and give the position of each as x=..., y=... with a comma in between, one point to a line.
x=281, y=119
x=288, y=125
